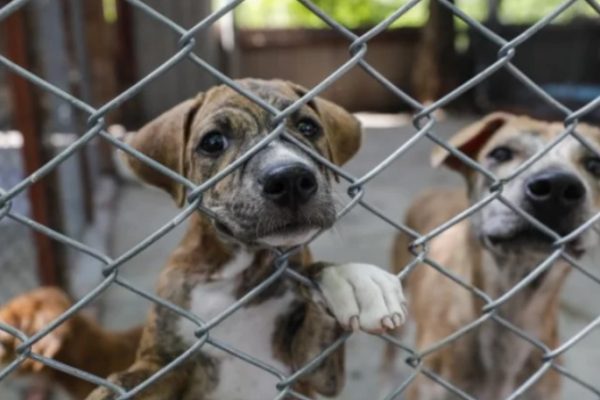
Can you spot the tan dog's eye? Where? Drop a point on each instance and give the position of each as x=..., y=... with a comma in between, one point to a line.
x=592, y=165
x=213, y=143
x=501, y=154
x=308, y=127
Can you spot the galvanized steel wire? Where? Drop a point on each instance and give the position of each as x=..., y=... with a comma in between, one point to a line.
x=424, y=123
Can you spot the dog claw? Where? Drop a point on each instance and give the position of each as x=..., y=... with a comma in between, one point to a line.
x=354, y=324
x=387, y=323
x=38, y=366
x=398, y=320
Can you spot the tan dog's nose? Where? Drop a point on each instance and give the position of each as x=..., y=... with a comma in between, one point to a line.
x=554, y=194
x=290, y=186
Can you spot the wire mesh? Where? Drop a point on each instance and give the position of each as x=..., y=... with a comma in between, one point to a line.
x=424, y=123
x=18, y=262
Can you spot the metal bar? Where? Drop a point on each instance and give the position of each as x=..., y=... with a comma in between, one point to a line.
x=88, y=159
x=126, y=60
x=26, y=119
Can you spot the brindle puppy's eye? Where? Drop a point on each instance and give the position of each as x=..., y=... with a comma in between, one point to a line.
x=592, y=165
x=308, y=127
x=501, y=154
x=213, y=143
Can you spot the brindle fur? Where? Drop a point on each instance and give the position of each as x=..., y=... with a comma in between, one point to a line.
x=171, y=139
x=303, y=327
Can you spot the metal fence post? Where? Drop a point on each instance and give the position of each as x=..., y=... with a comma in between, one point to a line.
x=27, y=120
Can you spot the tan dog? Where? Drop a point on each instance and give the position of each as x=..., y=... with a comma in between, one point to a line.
x=280, y=197
x=493, y=250
x=79, y=342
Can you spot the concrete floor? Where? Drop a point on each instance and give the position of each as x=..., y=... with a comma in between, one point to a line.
x=358, y=237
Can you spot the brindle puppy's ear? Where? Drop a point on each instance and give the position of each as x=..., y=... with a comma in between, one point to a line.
x=164, y=140
x=342, y=129
x=470, y=141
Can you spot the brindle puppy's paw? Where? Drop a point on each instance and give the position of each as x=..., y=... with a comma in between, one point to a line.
x=101, y=393
x=125, y=380
x=363, y=297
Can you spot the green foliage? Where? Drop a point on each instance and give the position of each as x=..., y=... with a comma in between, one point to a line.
x=531, y=11
x=367, y=13
x=350, y=13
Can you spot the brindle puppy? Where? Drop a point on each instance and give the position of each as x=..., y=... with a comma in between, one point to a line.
x=280, y=197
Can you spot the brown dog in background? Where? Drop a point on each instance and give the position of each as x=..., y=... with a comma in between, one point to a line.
x=281, y=197
x=80, y=342
x=494, y=250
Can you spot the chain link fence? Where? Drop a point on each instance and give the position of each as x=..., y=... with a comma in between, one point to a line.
x=358, y=186
x=18, y=266
x=17, y=259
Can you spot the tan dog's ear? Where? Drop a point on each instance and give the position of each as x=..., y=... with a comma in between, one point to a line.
x=342, y=129
x=470, y=141
x=164, y=140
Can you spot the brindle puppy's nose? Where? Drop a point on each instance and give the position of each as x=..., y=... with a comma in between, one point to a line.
x=290, y=186
x=553, y=194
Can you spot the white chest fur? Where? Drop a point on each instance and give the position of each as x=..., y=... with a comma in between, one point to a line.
x=249, y=330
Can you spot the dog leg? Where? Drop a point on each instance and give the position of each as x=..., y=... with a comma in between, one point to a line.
x=30, y=313
x=77, y=341
x=363, y=297
x=318, y=331
x=360, y=297
x=169, y=387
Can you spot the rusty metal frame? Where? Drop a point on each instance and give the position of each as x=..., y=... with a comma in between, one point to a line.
x=27, y=120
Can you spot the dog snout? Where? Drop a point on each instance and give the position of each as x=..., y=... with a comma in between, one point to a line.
x=554, y=193
x=290, y=186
